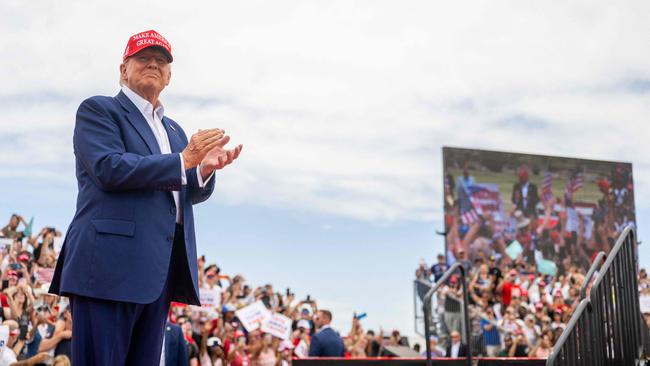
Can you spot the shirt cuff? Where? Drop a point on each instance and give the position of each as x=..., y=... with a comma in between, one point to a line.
x=183, y=176
x=200, y=178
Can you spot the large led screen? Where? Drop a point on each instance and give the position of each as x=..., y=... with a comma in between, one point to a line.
x=544, y=213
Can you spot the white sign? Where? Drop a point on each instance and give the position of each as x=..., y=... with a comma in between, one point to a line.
x=277, y=325
x=210, y=301
x=57, y=242
x=210, y=298
x=644, y=302
x=302, y=351
x=253, y=315
x=6, y=243
x=4, y=337
x=45, y=275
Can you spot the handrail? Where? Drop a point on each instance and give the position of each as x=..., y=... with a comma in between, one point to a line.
x=594, y=267
x=416, y=296
x=612, y=255
x=567, y=331
x=586, y=302
x=427, y=310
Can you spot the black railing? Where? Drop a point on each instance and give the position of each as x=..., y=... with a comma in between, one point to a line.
x=420, y=289
x=594, y=267
x=426, y=307
x=604, y=328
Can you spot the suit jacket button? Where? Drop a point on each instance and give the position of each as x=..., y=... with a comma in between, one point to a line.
x=170, y=238
x=173, y=210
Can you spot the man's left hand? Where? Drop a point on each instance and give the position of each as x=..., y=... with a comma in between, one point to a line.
x=219, y=157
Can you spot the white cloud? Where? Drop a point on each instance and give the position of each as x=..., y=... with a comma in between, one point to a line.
x=343, y=105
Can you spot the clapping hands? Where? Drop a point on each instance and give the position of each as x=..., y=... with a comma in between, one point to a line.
x=218, y=157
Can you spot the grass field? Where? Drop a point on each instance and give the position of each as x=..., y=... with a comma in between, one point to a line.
x=505, y=180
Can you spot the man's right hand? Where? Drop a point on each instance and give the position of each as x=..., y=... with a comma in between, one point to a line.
x=200, y=144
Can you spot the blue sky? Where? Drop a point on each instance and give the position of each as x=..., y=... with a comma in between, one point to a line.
x=343, y=107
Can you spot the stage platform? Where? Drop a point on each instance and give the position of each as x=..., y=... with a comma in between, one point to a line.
x=388, y=361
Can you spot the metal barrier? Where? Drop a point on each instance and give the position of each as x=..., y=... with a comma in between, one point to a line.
x=426, y=307
x=605, y=329
x=420, y=289
x=594, y=267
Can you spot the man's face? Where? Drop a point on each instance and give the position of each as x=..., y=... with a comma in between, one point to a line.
x=318, y=320
x=455, y=337
x=147, y=70
x=508, y=342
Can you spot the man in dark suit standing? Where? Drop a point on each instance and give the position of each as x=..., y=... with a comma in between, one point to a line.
x=456, y=348
x=325, y=342
x=175, y=349
x=130, y=249
x=524, y=193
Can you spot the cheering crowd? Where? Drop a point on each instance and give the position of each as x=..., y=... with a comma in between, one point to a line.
x=40, y=324
x=514, y=311
x=525, y=261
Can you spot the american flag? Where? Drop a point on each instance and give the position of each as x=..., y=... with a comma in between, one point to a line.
x=447, y=185
x=547, y=193
x=468, y=213
x=574, y=184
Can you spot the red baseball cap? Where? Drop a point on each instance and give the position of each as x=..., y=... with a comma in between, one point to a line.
x=150, y=38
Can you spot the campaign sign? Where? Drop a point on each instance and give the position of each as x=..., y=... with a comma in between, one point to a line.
x=58, y=243
x=301, y=350
x=210, y=301
x=4, y=337
x=44, y=275
x=514, y=250
x=253, y=315
x=644, y=302
x=277, y=325
x=6, y=243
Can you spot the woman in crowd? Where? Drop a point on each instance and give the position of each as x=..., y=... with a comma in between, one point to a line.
x=264, y=352
x=238, y=351
x=543, y=349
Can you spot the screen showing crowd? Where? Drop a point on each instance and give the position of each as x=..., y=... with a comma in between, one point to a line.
x=532, y=210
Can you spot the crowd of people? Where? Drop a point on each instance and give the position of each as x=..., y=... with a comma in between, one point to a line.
x=40, y=324
x=525, y=259
x=536, y=224
x=514, y=311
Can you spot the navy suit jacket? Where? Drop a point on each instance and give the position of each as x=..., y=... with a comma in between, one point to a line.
x=462, y=351
x=175, y=349
x=119, y=243
x=326, y=343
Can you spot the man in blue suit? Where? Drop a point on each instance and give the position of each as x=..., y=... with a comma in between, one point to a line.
x=326, y=342
x=175, y=346
x=130, y=249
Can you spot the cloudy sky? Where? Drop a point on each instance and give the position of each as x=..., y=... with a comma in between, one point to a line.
x=343, y=107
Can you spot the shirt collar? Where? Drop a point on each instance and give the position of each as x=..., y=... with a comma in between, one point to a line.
x=142, y=104
x=324, y=327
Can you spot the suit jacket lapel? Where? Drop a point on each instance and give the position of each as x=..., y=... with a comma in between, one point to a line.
x=177, y=146
x=135, y=117
x=175, y=142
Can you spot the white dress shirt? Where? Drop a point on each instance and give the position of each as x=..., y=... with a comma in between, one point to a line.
x=455, y=349
x=524, y=193
x=154, y=120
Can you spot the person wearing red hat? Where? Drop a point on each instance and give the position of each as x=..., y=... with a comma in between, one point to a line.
x=130, y=249
x=524, y=193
